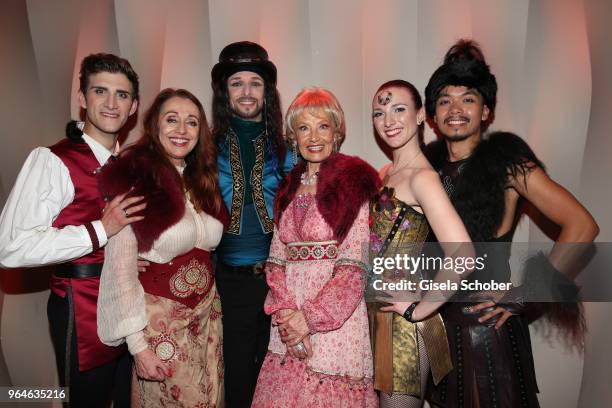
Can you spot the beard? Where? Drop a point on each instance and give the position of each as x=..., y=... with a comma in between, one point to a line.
x=246, y=114
x=458, y=135
x=454, y=138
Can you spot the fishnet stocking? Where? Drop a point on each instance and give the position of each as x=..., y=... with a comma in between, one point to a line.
x=406, y=400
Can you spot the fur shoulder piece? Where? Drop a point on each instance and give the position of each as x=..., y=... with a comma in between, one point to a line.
x=479, y=192
x=512, y=152
x=344, y=184
x=165, y=206
x=436, y=153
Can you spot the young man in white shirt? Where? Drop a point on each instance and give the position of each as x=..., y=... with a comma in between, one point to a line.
x=55, y=215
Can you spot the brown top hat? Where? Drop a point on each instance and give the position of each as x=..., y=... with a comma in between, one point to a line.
x=243, y=56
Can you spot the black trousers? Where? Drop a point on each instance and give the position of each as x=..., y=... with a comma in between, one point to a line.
x=246, y=332
x=92, y=388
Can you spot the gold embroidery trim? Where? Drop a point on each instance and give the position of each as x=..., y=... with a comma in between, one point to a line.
x=258, y=194
x=189, y=279
x=351, y=262
x=311, y=251
x=164, y=346
x=277, y=261
x=237, y=185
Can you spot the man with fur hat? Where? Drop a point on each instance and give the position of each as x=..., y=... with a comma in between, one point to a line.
x=488, y=179
x=252, y=161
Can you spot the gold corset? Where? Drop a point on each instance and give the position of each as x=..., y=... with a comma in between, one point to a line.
x=394, y=339
x=413, y=230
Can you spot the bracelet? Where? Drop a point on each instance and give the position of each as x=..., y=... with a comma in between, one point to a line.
x=408, y=313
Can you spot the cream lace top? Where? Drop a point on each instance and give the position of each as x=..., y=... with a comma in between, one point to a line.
x=121, y=303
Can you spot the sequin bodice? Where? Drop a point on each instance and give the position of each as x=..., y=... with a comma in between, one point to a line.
x=412, y=231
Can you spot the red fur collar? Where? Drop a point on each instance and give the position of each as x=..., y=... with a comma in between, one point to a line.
x=165, y=206
x=344, y=184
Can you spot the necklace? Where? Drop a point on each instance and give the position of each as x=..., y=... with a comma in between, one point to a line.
x=307, y=180
x=394, y=171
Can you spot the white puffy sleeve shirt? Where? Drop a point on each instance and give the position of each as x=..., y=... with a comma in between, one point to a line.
x=121, y=303
x=42, y=190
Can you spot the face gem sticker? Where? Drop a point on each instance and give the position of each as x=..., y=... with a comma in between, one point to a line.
x=384, y=98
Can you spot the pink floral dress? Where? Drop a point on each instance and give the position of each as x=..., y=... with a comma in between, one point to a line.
x=309, y=270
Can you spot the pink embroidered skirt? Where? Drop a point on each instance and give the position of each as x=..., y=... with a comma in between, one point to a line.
x=287, y=382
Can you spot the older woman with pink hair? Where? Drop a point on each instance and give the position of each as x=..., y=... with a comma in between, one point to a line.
x=319, y=352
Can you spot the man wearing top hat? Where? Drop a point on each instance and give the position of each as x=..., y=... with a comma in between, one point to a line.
x=252, y=162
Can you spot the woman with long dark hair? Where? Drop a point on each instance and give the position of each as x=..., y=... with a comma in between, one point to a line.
x=169, y=316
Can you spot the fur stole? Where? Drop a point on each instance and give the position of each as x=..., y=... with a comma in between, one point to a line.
x=165, y=206
x=344, y=184
x=478, y=194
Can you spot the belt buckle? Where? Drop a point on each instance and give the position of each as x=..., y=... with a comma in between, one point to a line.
x=258, y=269
x=468, y=310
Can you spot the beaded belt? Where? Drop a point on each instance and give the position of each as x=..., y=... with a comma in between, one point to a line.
x=312, y=251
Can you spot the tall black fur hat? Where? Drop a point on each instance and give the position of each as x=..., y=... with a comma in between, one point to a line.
x=464, y=65
x=243, y=56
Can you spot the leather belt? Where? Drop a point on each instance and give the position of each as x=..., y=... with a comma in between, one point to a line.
x=255, y=270
x=77, y=271
x=462, y=313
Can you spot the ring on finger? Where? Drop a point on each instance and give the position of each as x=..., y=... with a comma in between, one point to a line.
x=300, y=347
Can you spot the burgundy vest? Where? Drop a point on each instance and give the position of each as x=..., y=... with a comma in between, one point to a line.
x=86, y=207
x=87, y=204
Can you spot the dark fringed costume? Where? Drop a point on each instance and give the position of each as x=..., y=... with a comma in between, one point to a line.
x=495, y=365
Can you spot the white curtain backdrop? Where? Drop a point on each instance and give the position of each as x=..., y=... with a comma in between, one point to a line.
x=552, y=60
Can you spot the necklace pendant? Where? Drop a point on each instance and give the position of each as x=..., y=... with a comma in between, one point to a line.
x=307, y=180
